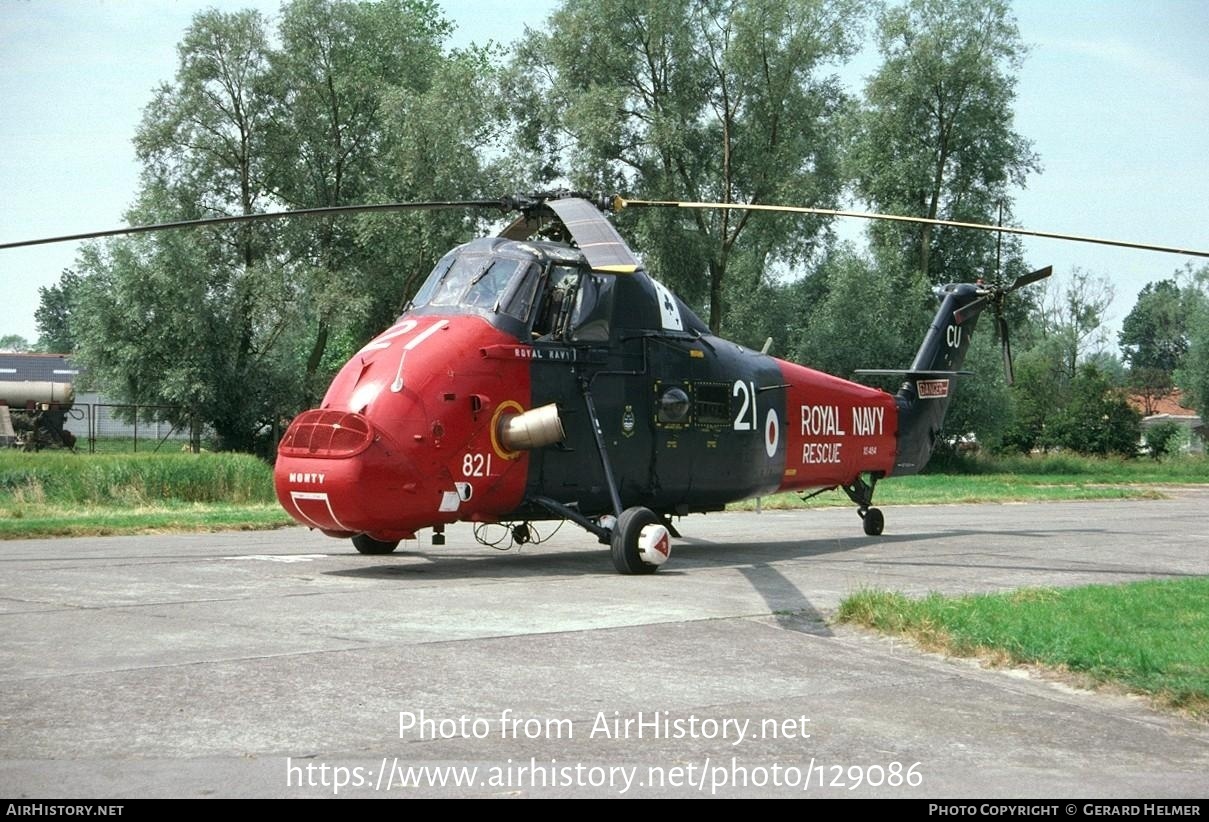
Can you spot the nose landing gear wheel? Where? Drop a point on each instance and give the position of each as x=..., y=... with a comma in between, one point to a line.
x=624, y=544
x=365, y=544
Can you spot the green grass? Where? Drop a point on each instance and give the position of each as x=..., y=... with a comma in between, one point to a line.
x=1183, y=469
x=132, y=479
x=94, y=520
x=1147, y=637
x=146, y=443
x=61, y=494
x=1019, y=479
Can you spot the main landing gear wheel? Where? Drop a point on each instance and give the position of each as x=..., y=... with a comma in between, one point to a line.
x=624, y=544
x=874, y=522
x=365, y=544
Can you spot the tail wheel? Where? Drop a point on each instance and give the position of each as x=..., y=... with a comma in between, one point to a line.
x=365, y=544
x=624, y=544
x=874, y=522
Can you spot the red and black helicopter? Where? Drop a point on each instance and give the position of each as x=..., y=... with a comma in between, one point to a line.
x=543, y=374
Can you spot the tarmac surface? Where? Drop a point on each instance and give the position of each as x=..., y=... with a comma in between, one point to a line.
x=284, y=664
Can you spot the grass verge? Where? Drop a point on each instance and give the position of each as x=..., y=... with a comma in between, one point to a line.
x=79, y=494
x=32, y=521
x=1018, y=479
x=1147, y=637
x=62, y=494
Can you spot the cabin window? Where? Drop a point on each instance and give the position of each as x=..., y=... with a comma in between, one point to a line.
x=591, y=319
x=517, y=301
x=557, y=301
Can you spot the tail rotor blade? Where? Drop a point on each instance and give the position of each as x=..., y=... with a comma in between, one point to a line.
x=1029, y=279
x=1004, y=340
x=969, y=310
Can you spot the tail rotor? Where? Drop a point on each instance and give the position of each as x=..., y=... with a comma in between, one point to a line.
x=994, y=296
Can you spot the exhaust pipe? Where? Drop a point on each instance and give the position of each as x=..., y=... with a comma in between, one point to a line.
x=535, y=428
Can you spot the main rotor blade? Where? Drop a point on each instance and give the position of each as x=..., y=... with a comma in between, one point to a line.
x=264, y=216
x=620, y=202
x=602, y=246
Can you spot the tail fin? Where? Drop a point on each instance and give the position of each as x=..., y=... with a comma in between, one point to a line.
x=924, y=397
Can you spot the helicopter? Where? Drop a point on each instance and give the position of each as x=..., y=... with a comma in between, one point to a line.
x=544, y=375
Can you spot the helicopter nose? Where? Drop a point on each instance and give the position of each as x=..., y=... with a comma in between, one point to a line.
x=336, y=472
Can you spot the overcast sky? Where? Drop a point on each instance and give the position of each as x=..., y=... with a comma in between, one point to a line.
x=1114, y=95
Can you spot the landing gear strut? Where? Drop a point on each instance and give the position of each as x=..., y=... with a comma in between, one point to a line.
x=861, y=493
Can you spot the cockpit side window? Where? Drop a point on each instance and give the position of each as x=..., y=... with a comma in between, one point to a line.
x=558, y=300
x=592, y=317
x=424, y=295
x=521, y=294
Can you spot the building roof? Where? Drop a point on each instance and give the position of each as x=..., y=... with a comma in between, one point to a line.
x=38, y=368
x=1171, y=405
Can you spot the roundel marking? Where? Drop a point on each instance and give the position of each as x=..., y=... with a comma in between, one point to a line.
x=772, y=432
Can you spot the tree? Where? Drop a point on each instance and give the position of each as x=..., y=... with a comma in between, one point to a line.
x=236, y=323
x=718, y=100
x=337, y=64
x=1154, y=334
x=150, y=336
x=1151, y=384
x=1040, y=392
x=1072, y=313
x=1097, y=419
x=53, y=315
x=892, y=320
x=1193, y=374
x=982, y=404
x=935, y=138
x=14, y=342
x=183, y=320
x=1154, y=340
x=1162, y=439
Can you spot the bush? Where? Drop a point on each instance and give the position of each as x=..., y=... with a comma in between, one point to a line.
x=1162, y=439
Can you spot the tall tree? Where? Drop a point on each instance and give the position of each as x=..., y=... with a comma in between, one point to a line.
x=337, y=63
x=1154, y=334
x=936, y=136
x=716, y=100
x=14, y=342
x=1072, y=314
x=443, y=141
x=53, y=315
x=1193, y=374
x=235, y=323
x=169, y=319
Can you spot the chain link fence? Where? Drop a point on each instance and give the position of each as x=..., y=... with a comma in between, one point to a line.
x=108, y=428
